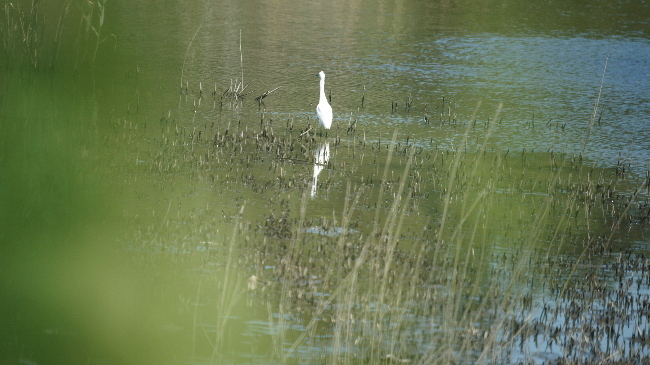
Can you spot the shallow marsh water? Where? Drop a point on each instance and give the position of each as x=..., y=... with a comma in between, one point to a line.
x=146, y=219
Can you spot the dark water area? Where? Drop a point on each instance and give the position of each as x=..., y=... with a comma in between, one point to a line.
x=152, y=211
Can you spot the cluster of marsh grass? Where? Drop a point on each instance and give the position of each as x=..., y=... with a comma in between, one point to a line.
x=441, y=297
x=428, y=256
x=391, y=276
x=33, y=33
x=380, y=300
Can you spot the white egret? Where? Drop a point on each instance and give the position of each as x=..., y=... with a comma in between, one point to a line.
x=323, y=110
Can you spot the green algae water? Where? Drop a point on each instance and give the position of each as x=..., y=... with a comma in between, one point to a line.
x=483, y=198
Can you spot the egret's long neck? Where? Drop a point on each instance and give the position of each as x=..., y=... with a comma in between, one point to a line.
x=322, y=89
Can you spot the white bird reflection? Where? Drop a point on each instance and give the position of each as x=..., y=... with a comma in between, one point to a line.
x=321, y=157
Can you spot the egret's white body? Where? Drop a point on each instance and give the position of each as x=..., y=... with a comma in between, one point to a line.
x=323, y=110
